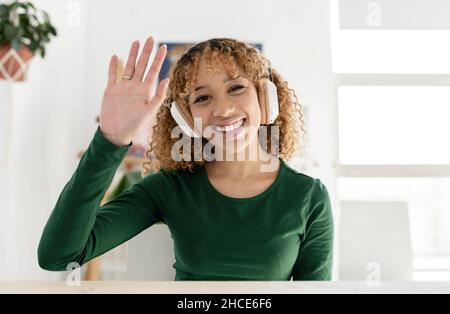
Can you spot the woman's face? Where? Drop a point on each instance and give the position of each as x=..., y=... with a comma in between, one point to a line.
x=227, y=108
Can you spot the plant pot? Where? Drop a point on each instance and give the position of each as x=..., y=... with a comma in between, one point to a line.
x=15, y=64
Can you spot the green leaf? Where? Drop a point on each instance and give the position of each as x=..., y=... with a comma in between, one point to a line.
x=30, y=5
x=18, y=4
x=11, y=32
x=14, y=5
x=53, y=31
x=16, y=44
x=24, y=19
x=4, y=11
x=33, y=46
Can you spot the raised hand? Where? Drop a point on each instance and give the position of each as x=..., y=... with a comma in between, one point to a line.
x=128, y=104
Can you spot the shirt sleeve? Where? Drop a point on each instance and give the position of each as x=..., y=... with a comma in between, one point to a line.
x=315, y=257
x=78, y=229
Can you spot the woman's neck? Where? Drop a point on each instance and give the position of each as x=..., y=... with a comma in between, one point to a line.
x=236, y=169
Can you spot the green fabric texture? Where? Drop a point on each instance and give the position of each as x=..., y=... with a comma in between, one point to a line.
x=285, y=232
x=125, y=182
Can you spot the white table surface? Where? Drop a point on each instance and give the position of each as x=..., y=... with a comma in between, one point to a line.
x=222, y=287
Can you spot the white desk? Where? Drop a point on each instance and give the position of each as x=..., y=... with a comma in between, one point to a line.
x=223, y=287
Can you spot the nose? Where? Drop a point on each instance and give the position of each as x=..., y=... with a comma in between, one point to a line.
x=223, y=108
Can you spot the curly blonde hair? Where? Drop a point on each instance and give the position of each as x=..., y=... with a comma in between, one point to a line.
x=235, y=56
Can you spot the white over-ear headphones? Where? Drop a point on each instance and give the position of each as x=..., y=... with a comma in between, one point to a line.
x=182, y=120
x=268, y=100
x=271, y=102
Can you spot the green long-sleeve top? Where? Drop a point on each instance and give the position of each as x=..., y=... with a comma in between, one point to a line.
x=282, y=233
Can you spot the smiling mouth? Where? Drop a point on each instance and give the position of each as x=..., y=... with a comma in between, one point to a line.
x=230, y=129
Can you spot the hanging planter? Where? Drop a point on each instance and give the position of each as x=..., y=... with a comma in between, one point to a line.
x=14, y=64
x=24, y=31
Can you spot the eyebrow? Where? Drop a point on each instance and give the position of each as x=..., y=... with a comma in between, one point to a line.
x=225, y=80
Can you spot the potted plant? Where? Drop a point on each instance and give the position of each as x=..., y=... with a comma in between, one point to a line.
x=24, y=31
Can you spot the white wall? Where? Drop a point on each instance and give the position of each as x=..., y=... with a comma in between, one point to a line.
x=48, y=114
x=5, y=117
x=55, y=109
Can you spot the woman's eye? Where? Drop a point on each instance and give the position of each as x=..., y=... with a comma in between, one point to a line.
x=232, y=90
x=200, y=99
x=236, y=88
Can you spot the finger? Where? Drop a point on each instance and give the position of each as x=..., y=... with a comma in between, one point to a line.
x=143, y=59
x=112, y=74
x=131, y=62
x=156, y=65
x=160, y=94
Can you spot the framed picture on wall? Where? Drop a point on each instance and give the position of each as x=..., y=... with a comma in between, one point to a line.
x=175, y=51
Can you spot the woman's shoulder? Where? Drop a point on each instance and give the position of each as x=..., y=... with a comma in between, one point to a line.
x=291, y=173
x=297, y=178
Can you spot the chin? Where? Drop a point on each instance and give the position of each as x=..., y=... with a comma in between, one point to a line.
x=238, y=143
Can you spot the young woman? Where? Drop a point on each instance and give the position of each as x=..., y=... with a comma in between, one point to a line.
x=231, y=218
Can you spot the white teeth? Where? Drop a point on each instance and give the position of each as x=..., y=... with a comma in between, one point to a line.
x=229, y=128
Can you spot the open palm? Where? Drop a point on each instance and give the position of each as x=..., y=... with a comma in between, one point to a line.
x=128, y=104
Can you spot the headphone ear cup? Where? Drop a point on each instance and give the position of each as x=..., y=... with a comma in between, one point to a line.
x=272, y=102
x=184, y=119
x=262, y=97
x=268, y=101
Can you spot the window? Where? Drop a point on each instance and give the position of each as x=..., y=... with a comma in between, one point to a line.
x=393, y=98
x=394, y=124
x=392, y=51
